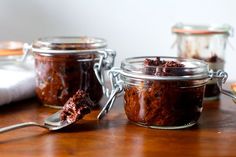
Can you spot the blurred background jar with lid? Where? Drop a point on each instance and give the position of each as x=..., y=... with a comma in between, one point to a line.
x=204, y=42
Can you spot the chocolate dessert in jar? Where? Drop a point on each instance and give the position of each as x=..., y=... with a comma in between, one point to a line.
x=65, y=64
x=204, y=42
x=161, y=92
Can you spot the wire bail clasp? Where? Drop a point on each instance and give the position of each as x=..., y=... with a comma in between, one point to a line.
x=106, y=62
x=221, y=77
x=117, y=88
x=26, y=50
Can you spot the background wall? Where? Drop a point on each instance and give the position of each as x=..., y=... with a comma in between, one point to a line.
x=132, y=27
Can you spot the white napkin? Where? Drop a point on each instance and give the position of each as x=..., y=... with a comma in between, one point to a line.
x=17, y=82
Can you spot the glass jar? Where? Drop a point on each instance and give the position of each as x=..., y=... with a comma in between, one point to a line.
x=11, y=48
x=164, y=97
x=205, y=42
x=65, y=64
x=12, y=56
x=10, y=51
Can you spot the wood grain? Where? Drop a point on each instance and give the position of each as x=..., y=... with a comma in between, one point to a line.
x=215, y=135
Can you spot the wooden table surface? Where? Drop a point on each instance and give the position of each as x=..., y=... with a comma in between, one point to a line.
x=215, y=135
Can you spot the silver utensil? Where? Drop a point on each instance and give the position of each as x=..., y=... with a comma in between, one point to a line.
x=53, y=120
x=109, y=104
x=51, y=123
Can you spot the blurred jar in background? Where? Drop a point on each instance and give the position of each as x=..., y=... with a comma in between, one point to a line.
x=204, y=42
x=10, y=50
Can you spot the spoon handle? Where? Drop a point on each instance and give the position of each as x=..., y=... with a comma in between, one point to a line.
x=21, y=125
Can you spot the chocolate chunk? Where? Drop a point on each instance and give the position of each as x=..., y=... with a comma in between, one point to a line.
x=160, y=67
x=156, y=62
x=76, y=107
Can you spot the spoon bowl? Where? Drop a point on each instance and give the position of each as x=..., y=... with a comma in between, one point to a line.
x=54, y=119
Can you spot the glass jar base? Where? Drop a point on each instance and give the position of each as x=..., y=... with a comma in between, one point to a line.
x=53, y=106
x=217, y=97
x=166, y=127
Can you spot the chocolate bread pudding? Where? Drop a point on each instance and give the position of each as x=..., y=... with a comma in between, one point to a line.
x=58, y=77
x=77, y=107
x=161, y=67
x=163, y=102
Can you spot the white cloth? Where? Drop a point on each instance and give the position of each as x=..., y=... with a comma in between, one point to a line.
x=17, y=82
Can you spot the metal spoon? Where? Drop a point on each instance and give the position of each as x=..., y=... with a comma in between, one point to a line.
x=53, y=120
x=49, y=124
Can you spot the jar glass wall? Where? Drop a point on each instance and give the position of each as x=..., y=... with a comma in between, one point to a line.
x=163, y=104
x=58, y=77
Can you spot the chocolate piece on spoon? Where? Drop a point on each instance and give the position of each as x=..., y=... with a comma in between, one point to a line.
x=77, y=107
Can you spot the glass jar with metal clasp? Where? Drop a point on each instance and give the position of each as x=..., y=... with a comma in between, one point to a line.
x=65, y=64
x=205, y=42
x=167, y=96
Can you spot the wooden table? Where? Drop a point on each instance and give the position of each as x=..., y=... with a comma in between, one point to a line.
x=215, y=135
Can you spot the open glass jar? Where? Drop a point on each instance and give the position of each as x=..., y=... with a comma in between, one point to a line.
x=205, y=42
x=65, y=64
x=161, y=96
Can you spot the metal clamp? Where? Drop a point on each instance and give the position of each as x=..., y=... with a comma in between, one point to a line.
x=221, y=77
x=106, y=62
x=26, y=50
x=117, y=88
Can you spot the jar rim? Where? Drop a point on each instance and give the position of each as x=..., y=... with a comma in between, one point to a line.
x=193, y=69
x=200, y=29
x=68, y=44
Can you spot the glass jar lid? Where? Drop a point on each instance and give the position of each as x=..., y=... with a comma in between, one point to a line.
x=69, y=44
x=181, y=28
x=191, y=69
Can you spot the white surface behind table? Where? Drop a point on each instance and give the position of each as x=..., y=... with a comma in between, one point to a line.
x=132, y=27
